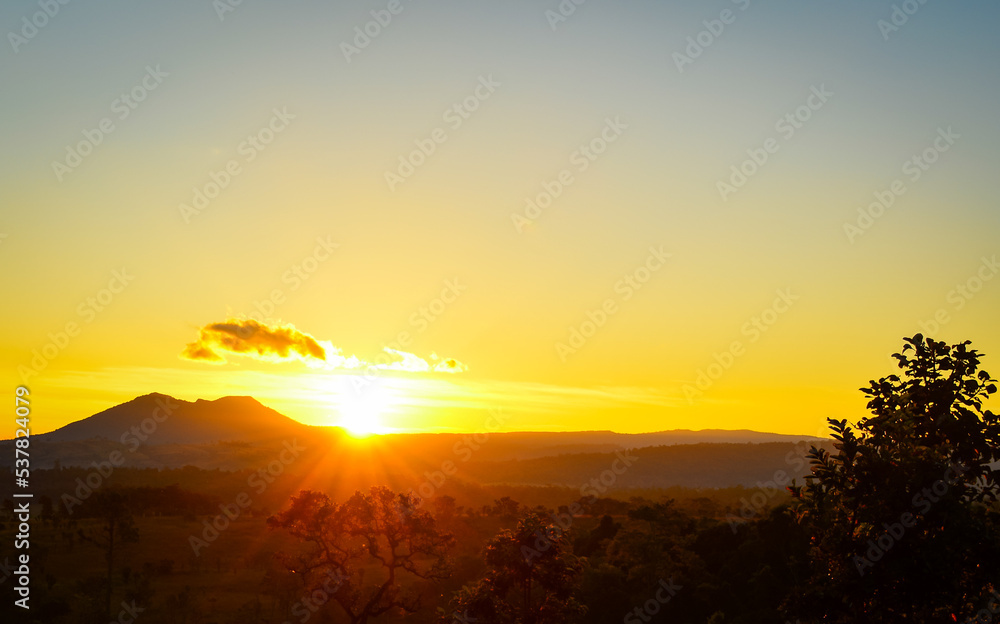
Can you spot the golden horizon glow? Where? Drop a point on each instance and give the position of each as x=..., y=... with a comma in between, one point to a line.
x=360, y=411
x=290, y=220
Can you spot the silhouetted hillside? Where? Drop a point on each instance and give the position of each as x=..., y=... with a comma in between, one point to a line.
x=688, y=465
x=238, y=433
x=535, y=444
x=161, y=419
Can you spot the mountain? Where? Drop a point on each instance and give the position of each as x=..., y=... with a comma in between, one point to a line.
x=238, y=433
x=157, y=419
x=685, y=465
x=535, y=444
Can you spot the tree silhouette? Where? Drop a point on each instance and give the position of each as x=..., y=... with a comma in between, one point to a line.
x=901, y=517
x=657, y=545
x=380, y=527
x=585, y=546
x=115, y=527
x=505, y=507
x=530, y=579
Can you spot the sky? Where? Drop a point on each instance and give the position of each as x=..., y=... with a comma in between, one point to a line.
x=633, y=216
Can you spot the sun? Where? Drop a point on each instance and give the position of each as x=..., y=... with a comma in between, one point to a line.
x=360, y=411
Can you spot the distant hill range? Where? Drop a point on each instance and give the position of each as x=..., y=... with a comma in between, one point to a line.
x=233, y=433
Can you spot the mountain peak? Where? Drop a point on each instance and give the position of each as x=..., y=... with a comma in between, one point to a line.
x=158, y=418
x=153, y=395
x=236, y=400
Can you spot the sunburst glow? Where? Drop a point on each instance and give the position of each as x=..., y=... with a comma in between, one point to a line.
x=360, y=411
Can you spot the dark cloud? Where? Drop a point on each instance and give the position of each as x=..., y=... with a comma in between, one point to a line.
x=282, y=343
x=250, y=338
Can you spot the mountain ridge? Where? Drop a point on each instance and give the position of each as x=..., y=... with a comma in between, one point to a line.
x=242, y=417
x=159, y=418
x=156, y=431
